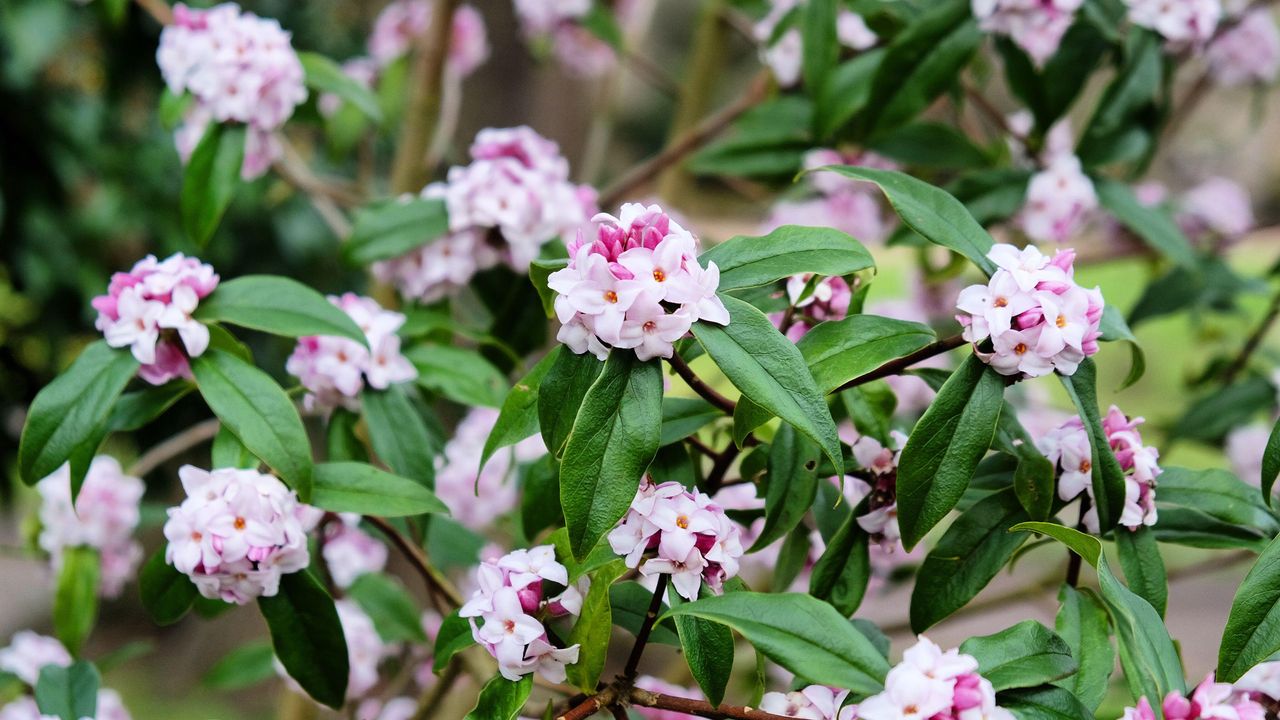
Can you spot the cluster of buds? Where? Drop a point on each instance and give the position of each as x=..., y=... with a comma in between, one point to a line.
x=148, y=310
x=1249, y=52
x=511, y=200
x=402, y=22
x=103, y=517
x=1060, y=198
x=335, y=369
x=930, y=683
x=511, y=602
x=1036, y=26
x=1209, y=701
x=26, y=655
x=1036, y=316
x=691, y=538
x=240, y=68
x=236, y=533
x=1182, y=23
x=829, y=299
x=816, y=702
x=782, y=50
x=881, y=463
x=1068, y=447
x=848, y=205
x=460, y=479
x=350, y=552
x=636, y=285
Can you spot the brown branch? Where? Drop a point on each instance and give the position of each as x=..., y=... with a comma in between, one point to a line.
x=701, y=447
x=173, y=447
x=591, y=705
x=650, y=73
x=715, y=479
x=630, y=181
x=158, y=9
x=642, y=638
x=895, y=367
x=702, y=708
x=436, y=583
x=992, y=114
x=1254, y=341
x=696, y=384
x=422, y=108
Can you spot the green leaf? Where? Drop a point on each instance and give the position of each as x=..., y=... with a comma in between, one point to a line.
x=821, y=47
x=1143, y=567
x=967, y=557
x=166, y=593
x=839, y=351
x=136, y=410
x=789, y=250
x=945, y=446
x=245, y=666
x=931, y=145
x=391, y=228
x=1108, y=478
x=501, y=699
x=792, y=557
x=393, y=611
x=1211, y=417
x=1082, y=624
x=629, y=603
x=614, y=437
x=459, y=374
x=841, y=574
x=453, y=637
x=560, y=395
x=1043, y=703
x=1113, y=327
x=355, y=487
x=793, y=484
x=540, y=274
x=518, y=416
x=800, y=633
x=210, y=179
x=1147, y=654
x=75, y=602
x=1033, y=480
x=769, y=369
x=399, y=434
x=251, y=405
x=67, y=419
x=1271, y=463
x=1154, y=225
x=68, y=693
x=846, y=91
x=1124, y=113
x=930, y=211
x=682, y=417
x=1252, y=634
x=277, y=305
x=227, y=451
x=307, y=637
x=325, y=76
x=1023, y=656
x=1050, y=92
x=707, y=646
x=594, y=628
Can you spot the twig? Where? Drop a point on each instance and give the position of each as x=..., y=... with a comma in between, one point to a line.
x=696, y=384
x=1255, y=340
x=894, y=367
x=701, y=447
x=436, y=583
x=591, y=705
x=702, y=708
x=715, y=479
x=642, y=637
x=422, y=109
x=158, y=9
x=174, y=446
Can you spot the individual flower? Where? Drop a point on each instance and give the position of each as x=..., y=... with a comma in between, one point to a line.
x=636, y=285
x=1262, y=681
x=560, y=25
x=662, y=687
x=1037, y=318
x=1068, y=448
x=828, y=300
x=103, y=517
x=236, y=533
x=1218, y=207
x=512, y=601
x=816, y=702
x=880, y=463
x=149, y=310
x=1248, y=52
x=1244, y=449
x=28, y=652
x=1183, y=24
x=477, y=495
x=930, y=684
x=239, y=68
x=350, y=552
x=402, y=22
x=782, y=49
x=1059, y=200
x=1036, y=26
x=335, y=369
x=685, y=535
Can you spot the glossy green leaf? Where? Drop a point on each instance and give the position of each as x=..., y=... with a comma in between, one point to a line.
x=307, y=637
x=682, y=417
x=792, y=484
x=789, y=250
x=1043, y=703
x=1049, y=92
x=135, y=410
x=839, y=351
x=453, y=637
x=1143, y=567
x=1122, y=125
x=629, y=603
x=1252, y=634
x=518, y=416
x=1033, y=480
x=1210, y=417
x=1155, y=226
x=277, y=305
x=846, y=91
x=398, y=434
x=166, y=593
x=1108, y=478
x=821, y=47
x=226, y=451
x=707, y=646
x=323, y=75
x=841, y=574
x=594, y=628
x=392, y=228
x=68, y=693
x=75, y=601
x=459, y=374
x=1271, y=463
x=1082, y=624
x=560, y=395
x=1023, y=656
x=931, y=145
x=210, y=179
x=501, y=699
x=1113, y=328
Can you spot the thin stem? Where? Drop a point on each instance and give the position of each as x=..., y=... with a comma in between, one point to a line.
x=642, y=637
x=1252, y=344
x=701, y=447
x=992, y=114
x=715, y=479
x=702, y=708
x=422, y=109
x=436, y=583
x=895, y=367
x=174, y=446
x=696, y=384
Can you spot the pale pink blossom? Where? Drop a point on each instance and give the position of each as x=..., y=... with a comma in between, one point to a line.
x=350, y=552
x=1218, y=207
x=1249, y=52
x=1183, y=24
x=815, y=702
x=402, y=22
x=1037, y=26
x=28, y=652
x=1059, y=200
x=477, y=496
x=932, y=684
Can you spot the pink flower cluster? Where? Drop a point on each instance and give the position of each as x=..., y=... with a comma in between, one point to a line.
x=1218, y=207
x=350, y=552
x=402, y=22
x=1059, y=199
x=1183, y=24
x=816, y=702
x=559, y=23
x=881, y=519
x=240, y=68
x=236, y=533
x=693, y=539
x=148, y=310
x=842, y=203
x=335, y=369
x=1248, y=52
x=1036, y=26
x=930, y=683
x=26, y=655
x=1068, y=447
x=511, y=600
x=1037, y=317
x=460, y=480
x=1209, y=701
x=104, y=516
x=829, y=300
x=784, y=55
x=636, y=285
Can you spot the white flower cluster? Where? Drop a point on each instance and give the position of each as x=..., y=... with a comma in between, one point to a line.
x=236, y=533
x=930, y=683
x=402, y=22
x=1059, y=199
x=1248, y=52
x=460, y=481
x=1182, y=23
x=335, y=369
x=103, y=517
x=240, y=68
x=26, y=655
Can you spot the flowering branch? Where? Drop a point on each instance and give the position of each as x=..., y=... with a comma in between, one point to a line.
x=895, y=367
x=644, y=698
x=174, y=446
x=436, y=583
x=422, y=111
x=699, y=386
